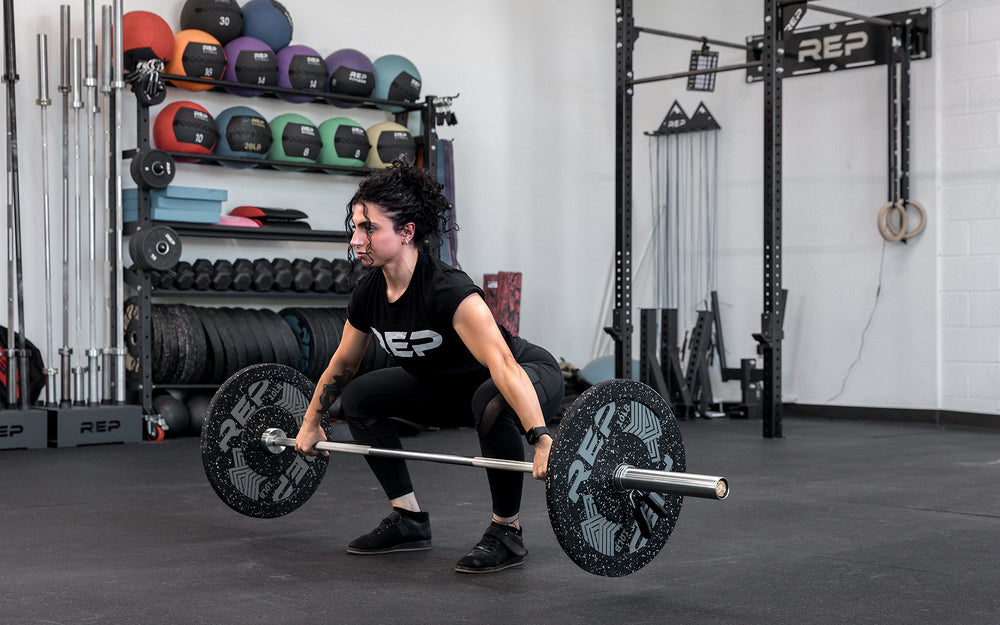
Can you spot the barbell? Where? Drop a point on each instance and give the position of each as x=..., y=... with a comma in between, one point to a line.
x=616, y=471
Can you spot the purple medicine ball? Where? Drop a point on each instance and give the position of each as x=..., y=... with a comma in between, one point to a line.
x=252, y=62
x=300, y=68
x=351, y=73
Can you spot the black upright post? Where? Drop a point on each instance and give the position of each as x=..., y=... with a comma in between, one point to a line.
x=621, y=329
x=771, y=330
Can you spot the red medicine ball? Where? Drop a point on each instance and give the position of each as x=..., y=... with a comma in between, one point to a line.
x=185, y=127
x=145, y=36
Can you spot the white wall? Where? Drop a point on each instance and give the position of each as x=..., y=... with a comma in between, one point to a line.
x=969, y=237
x=535, y=179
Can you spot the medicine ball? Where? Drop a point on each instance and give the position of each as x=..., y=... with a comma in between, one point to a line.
x=390, y=141
x=345, y=143
x=174, y=412
x=185, y=127
x=243, y=132
x=351, y=73
x=396, y=78
x=268, y=21
x=294, y=139
x=251, y=62
x=196, y=53
x=223, y=19
x=145, y=36
x=197, y=405
x=300, y=67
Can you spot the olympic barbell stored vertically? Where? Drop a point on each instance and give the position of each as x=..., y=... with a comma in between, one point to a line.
x=616, y=470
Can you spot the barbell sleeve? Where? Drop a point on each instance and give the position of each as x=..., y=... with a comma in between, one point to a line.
x=625, y=477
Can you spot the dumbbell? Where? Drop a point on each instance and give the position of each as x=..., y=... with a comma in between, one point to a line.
x=342, y=279
x=162, y=279
x=283, y=274
x=301, y=277
x=202, y=274
x=242, y=272
x=261, y=277
x=185, y=276
x=222, y=275
x=322, y=275
x=303, y=269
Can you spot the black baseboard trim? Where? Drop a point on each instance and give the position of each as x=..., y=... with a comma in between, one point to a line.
x=941, y=418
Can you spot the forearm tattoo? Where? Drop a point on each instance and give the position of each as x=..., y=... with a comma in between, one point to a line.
x=333, y=390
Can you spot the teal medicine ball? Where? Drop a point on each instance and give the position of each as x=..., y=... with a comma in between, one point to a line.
x=345, y=143
x=396, y=78
x=243, y=132
x=294, y=139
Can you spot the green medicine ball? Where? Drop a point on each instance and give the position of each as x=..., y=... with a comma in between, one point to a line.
x=345, y=143
x=295, y=140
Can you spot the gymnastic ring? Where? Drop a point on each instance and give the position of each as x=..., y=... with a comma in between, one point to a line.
x=885, y=225
x=923, y=218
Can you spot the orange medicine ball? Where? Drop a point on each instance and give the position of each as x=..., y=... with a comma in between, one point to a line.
x=197, y=54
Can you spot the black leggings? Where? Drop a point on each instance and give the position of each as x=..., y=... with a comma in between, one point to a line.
x=369, y=400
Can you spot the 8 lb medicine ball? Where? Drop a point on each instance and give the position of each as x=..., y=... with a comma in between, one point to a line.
x=351, y=73
x=145, y=36
x=196, y=53
x=223, y=19
x=251, y=62
x=390, y=141
x=268, y=21
x=294, y=139
x=345, y=143
x=185, y=127
x=243, y=132
x=396, y=78
x=300, y=67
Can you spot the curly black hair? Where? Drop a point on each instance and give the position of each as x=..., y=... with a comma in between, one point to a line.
x=406, y=193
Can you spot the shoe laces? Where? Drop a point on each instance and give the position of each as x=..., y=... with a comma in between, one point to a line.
x=489, y=544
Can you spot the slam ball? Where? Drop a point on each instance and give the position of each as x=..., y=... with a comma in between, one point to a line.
x=345, y=143
x=268, y=21
x=351, y=73
x=396, y=78
x=185, y=127
x=145, y=36
x=294, y=139
x=196, y=53
x=390, y=141
x=223, y=19
x=250, y=62
x=302, y=68
x=243, y=132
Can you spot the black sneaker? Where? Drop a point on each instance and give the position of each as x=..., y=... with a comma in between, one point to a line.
x=500, y=548
x=402, y=530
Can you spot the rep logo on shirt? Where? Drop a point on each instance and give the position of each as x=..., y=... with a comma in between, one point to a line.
x=408, y=344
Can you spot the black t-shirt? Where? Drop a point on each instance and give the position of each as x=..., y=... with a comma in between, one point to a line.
x=417, y=329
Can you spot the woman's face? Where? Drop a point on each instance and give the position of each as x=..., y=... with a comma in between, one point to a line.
x=375, y=239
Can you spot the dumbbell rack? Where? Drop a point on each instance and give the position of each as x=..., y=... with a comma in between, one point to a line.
x=140, y=280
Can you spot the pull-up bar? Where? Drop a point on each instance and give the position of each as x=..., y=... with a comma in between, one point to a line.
x=857, y=16
x=714, y=42
x=695, y=72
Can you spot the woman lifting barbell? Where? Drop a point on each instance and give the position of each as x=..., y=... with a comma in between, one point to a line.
x=457, y=366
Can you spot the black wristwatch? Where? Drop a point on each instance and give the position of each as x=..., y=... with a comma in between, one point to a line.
x=536, y=433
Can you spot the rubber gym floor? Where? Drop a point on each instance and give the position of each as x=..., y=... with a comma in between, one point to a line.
x=837, y=522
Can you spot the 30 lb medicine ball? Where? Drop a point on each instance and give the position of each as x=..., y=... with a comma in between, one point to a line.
x=185, y=127
x=351, y=73
x=390, y=141
x=250, y=61
x=243, y=132
x=223, y=19
x=294, y=139
x=345, y=143
x=302, y=68
x=396, y=78
x=268, y=21
x=145, y=36
x=196, y=53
